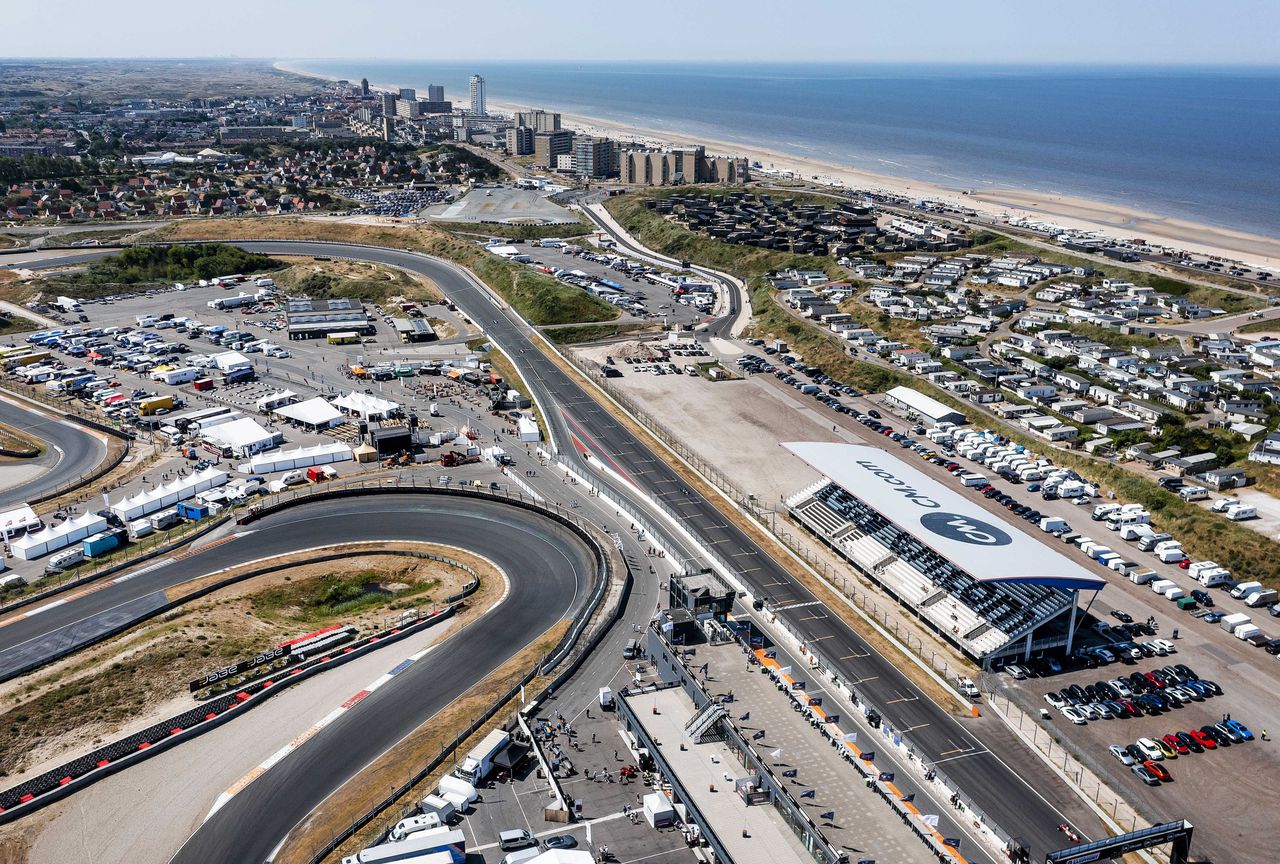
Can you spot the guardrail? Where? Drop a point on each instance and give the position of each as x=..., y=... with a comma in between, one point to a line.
x=104, y=468
x=51, y=786
x=566, y=645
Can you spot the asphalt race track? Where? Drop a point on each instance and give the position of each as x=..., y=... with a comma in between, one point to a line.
x=551, y=572
x=72, y=451
x=577, y=423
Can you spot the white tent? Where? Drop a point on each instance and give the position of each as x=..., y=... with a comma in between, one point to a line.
x=18, y=519
x=133, y=506
x=244, y=436
x=229, y=361
x=563, y=856
x=367, y=406
x=275, y=400
x=314, y=413
x=56, y=537
x=302, y=457
x=527, y=429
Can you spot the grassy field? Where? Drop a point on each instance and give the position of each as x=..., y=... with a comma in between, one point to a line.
x=10, y=324
x=580, y=333
x=1204, y=534
x=373, y=282
x=81, y=701
x=514, y=232
x=538, y=297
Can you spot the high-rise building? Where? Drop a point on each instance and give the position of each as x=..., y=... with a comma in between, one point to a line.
x=679, y=165
x=548, y=145
x=388, y=127
x=388, y=104
x=539, y=120
x=595, y=157
x=435, y=92
x=408, y=108
x=427, y=107
x=364, y=86
x=478, y=107
x=520, y=141
x=408, y=94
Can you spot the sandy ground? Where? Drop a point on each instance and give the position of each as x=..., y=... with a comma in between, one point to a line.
x=763, y=414
x=1068, y=212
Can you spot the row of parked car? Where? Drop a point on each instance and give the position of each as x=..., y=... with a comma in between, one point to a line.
x=1153, y=692
x=1144, y=756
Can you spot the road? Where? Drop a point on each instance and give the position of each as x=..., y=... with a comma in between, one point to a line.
x=71, y=451
x=580, y=425
x=551, y=572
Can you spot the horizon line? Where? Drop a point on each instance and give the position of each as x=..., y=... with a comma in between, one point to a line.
x=1096, y=64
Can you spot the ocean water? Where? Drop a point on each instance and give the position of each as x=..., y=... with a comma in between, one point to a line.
x=1195, y=143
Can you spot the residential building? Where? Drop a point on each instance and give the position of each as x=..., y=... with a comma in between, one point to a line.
x=388, y=104
x=548, y=145
x=408, y=108
x=435, y=92
x=539, y=120
x=595, y=157
x=364, y=86
x=520, y=140
x=1267, y=451
x=478, y=106
x=408, y=94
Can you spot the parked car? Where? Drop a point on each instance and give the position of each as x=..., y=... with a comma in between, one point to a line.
x=1143, y=773
x=1161, y=772
x=1121, y=754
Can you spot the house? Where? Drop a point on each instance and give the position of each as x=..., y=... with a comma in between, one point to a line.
x=1196, y=463
x=1219, y=479
x=1267, y=451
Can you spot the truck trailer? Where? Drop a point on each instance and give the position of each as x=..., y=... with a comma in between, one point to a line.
x=479, y=761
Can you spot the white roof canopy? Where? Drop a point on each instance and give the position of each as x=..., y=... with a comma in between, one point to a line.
x=314, y=412
x=301, y=457
x=132, y=506
x=365, y=404
x=56, y=537
x=981, y=544
x=244, y=432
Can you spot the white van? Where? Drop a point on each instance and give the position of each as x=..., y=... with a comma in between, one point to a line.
x=1244, y=589
x=515, y=839
x=522, y=855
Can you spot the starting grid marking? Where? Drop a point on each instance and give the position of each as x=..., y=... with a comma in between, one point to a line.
x=798, y=605
x=239, y=786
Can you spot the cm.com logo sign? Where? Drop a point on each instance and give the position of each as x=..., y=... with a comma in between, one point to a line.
x=965, y=529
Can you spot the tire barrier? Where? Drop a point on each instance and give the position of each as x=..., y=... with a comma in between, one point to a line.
x=55, y=784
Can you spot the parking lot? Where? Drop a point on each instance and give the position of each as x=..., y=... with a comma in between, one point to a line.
x=504, y=204
x=396, y=202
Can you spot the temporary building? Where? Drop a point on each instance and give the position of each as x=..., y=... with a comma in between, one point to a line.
x=275, y=400
x=301, y=457
x=314, y=414
x=230, y=361
x=55, y=537
x=527, y=429
x=18, y=519
x=132, y=506
x=562, y=856
x=244, y=437
x=367, y=406
x=658, y=811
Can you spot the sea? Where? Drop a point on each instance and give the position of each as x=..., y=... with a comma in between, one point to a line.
x=1195, y=143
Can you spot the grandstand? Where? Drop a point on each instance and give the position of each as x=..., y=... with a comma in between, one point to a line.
x=982, y=584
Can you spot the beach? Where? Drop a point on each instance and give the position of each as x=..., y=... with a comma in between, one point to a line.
x=1009, y=204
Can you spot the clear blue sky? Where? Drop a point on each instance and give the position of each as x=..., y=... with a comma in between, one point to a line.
x=944, y=31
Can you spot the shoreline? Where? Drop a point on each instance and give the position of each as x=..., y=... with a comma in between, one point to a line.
x=1066, y=211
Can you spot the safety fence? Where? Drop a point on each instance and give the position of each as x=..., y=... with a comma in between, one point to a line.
x=102, y=469
x=44, y=789
x=567, y=648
